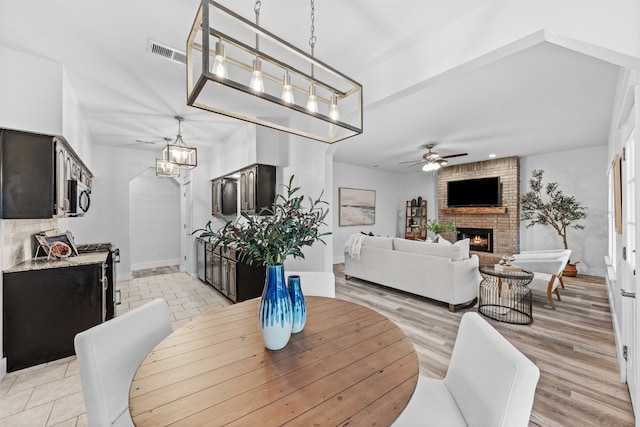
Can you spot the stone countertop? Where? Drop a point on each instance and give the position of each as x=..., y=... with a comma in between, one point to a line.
x=42, y=263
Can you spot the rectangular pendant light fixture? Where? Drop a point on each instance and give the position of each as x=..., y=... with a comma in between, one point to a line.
x=275, y=85
x=166, y=169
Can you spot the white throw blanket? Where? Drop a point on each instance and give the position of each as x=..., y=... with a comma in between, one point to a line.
x=353, y=245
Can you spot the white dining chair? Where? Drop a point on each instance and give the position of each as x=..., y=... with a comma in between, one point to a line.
x=489, y=383
x=108, y=356
x=316, y=283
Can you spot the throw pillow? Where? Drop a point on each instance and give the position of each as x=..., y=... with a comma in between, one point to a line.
x=464, y=247
x=443, y=241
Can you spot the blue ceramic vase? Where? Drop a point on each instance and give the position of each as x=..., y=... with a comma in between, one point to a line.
x=299, y=304
x=276, y=313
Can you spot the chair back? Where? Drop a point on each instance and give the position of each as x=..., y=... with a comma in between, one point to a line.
x=316, y=283
x=109, y=354
x=491, y=381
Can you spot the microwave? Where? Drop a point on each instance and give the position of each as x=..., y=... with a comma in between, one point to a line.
x=79, y=197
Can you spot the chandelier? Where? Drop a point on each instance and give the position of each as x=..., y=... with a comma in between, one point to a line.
x=166, y=169
x=238, y=69
x=179, y=154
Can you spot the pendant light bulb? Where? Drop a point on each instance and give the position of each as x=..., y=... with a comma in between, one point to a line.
x=219, y=64
x=312, y=102
x=257, y=85
x=334, y=114
x=287, y=89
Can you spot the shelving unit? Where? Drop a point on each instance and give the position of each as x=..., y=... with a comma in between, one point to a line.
x=415, y=216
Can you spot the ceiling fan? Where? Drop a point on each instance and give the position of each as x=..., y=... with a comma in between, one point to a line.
x=152, y=142
x=431, y=159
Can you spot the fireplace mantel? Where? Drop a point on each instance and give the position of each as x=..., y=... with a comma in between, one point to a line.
x=477, y=211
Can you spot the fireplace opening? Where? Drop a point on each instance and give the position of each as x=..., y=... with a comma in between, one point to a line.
x=480, y=239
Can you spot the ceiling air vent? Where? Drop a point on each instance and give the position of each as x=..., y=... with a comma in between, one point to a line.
x=166, y=52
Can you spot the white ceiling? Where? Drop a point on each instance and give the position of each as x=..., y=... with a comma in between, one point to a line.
x=541, y=99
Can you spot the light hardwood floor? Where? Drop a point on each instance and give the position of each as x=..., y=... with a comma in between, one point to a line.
x=573, y=346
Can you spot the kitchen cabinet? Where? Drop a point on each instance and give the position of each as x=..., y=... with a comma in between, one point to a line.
x=230, y=276
x=200, y=259
x=44, y=308
x=35, y=171
x=257, y=188
x=224, y=196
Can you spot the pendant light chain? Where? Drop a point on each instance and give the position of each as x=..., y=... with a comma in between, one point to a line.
x=256, y=9
x=313, y=39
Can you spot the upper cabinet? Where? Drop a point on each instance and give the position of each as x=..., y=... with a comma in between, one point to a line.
x=224, y=196
x=42, y=177
x=257, y=188
x=254, y=185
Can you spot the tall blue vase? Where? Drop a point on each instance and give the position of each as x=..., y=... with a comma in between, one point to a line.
x=276, y=313
x=299, y=304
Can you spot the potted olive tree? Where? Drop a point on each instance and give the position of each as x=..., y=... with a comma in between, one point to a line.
x=444, y=230
x=281, y=230
x=548, y=205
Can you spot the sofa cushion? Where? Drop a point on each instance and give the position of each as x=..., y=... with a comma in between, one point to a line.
x=377, y=242
x=427, y=248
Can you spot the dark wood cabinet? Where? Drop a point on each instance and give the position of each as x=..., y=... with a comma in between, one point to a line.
x=230, y=276
x=224, y=196
x=257, y=188
x=35, y=171
x=44, y=309
x=254, y=187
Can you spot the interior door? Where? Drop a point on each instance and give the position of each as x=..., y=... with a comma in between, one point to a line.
x=629, y=259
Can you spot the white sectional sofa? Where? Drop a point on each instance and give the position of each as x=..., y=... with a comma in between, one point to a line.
x=441, y=271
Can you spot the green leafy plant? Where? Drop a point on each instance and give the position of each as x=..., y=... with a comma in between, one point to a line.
x=445, y=229
x=547, y=205
x=279, y=231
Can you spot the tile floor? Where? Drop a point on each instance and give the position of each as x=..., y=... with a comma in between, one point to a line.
x=50, y=394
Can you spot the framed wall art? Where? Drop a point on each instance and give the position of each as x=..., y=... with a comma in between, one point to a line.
x=356, y=206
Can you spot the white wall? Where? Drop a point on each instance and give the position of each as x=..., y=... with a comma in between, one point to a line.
x=154, y=221
x=31, y=93
x=579, y=173
x=392, y=192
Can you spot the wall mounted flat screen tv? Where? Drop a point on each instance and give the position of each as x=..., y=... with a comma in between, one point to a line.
x=480, y=192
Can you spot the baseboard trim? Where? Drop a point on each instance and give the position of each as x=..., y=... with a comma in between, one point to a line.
x=155, y=264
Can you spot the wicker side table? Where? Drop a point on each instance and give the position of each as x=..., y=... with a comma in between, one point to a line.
x=505, y=296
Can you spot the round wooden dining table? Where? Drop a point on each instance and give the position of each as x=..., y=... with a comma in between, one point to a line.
x=350, y=365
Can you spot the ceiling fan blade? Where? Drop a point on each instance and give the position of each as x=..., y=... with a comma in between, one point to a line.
x=453, y=155
x=145, y=142
x=411, y=161
x=415, y=164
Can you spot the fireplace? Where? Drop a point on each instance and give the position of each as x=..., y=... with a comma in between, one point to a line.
x=480, y=239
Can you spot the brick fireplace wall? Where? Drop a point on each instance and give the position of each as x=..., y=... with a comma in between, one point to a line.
x=504, y=221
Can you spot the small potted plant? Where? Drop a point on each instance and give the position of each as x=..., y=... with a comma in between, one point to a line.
x=547, y=205
x=268, y=239
x=445, y=230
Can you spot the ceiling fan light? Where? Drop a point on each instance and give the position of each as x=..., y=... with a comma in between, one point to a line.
x=429, y=167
